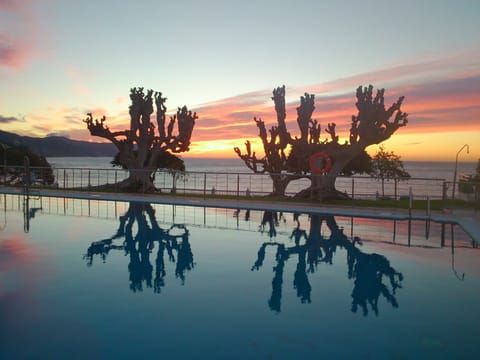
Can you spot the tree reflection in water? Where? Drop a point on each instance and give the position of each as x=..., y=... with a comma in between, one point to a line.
x=367, y=270
x=310, y=248
x=139, y=247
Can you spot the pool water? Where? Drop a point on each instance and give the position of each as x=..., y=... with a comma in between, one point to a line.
x=83, y=279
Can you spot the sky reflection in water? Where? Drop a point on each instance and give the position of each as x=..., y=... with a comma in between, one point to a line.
x=133, y=279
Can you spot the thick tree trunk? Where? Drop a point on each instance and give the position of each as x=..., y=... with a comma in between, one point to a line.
x=139, y=148
x=280, y=183
x=138, y=181
x=322, y=188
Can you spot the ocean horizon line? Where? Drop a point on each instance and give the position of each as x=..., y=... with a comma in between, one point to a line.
x=238, y=159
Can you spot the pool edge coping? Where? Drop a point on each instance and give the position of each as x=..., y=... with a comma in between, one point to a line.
x=469, y=224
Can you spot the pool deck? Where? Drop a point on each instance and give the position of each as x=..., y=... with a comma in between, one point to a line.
x=469, y=220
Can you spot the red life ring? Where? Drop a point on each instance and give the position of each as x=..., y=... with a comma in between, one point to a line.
x=327, y=163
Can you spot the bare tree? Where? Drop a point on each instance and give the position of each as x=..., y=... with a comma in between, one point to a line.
x=373, y=124
x=277, y=145
x=140, y=148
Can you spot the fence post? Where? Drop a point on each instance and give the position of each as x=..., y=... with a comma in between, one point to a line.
x=353, y=188
x=410, y=201
x=444, y=193
x=311, y=185
x=4, y=165
x=116, y=177
x=396, y=182
x=174, y=182
x=204, y=185
x=428, y=206
x=64, y=177
x=238, y=185
x=26, y=164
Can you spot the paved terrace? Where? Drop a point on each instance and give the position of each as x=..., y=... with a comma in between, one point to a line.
x=469, y=220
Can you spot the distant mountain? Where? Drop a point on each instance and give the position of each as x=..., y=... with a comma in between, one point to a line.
x=54, y=146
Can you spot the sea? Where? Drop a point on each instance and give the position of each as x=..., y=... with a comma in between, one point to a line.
x=416, y=169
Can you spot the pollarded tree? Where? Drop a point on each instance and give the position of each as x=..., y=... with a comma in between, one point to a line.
x=323, y=159
x=373, y=124
x=387, y=165
x=140, y=149
x=277, y=145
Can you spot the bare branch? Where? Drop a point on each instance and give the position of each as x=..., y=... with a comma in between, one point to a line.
x=314, y=132
x=373, y=123
x=331, y=130
x=139, y=147
x=304, y=112
x=250, y=159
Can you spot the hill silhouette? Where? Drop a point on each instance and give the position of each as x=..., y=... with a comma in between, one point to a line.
x=54, y=146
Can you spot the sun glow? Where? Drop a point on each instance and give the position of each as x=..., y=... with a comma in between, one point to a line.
x=212, y=148
x=431, y=146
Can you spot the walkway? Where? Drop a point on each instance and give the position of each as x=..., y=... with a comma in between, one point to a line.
x=469, y=220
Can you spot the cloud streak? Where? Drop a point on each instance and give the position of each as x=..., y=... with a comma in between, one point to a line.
x=18, y=30
x=435, y=104
x=439, y=98
x=9, y=119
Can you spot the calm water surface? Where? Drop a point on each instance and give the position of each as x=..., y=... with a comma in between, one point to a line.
x=417, y=169
x=95, y=279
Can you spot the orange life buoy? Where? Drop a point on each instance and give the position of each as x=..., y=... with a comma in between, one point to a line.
x=327, y=163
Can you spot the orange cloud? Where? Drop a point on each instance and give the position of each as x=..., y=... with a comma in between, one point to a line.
x=440, y=96
x=452, y=104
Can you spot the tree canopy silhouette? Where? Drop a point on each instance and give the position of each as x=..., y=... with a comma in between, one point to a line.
x=387, y=165
x=138, y=246
x=321, y=159
x=312, y=248
x=41, y=171
x=140, y=149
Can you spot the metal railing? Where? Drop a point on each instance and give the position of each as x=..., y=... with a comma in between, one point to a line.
x=237, y=184
x=422, y=233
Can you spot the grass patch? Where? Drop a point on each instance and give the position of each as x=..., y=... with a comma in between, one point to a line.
x=389, y=203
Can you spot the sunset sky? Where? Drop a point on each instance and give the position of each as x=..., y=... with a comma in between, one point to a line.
x=60, y=59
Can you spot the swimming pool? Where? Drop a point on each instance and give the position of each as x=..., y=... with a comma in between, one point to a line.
x=103, y=279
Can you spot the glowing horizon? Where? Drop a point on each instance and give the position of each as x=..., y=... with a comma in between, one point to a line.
x=54, y=69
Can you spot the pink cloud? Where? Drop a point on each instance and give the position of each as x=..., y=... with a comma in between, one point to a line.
x=18, y=32
x=448, y=101
x=12, y=52
x=10, y=4
x=439, y=97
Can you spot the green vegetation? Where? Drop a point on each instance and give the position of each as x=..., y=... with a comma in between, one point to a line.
x=387, y=165
x=14, y=157
x=165, y=161
x=435, y=205
x=360, y=164
x=470, y=184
